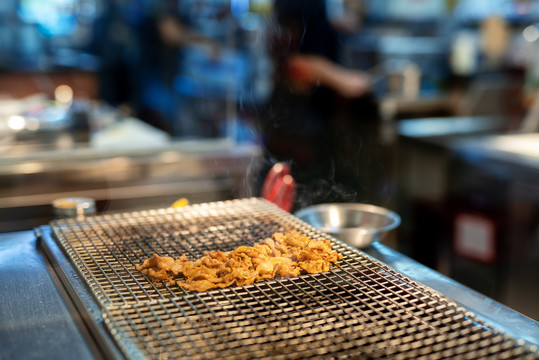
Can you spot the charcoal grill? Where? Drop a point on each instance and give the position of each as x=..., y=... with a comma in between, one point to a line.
x=361, y=308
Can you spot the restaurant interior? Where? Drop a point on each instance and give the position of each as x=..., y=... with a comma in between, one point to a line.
x=138, y=103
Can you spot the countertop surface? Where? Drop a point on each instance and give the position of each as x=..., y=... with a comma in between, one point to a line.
x=36, y=320
x=520, y=148
x=476, y=138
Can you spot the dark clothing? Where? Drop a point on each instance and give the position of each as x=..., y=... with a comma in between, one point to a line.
x=330, y=141
x=306, y=28
x=296, y=124
x=136, y=66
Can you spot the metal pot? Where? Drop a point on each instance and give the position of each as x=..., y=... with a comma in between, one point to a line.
x=358, y=225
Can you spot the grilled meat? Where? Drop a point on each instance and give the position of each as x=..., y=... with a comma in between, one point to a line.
x=283, y=255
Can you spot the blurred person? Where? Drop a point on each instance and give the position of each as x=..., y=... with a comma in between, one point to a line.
x=140, y=46
x=164, y=38
x=115, y=43
x=321, y=117
x=134, y=62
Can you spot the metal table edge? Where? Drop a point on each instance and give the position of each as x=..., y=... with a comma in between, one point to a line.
x=75, y=290
x=487, y=309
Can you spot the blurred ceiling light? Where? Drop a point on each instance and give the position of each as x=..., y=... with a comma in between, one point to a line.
x=63, y=94
x=531, y=33
x=16, y=122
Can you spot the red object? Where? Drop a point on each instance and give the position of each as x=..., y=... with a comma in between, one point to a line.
x=279, y=186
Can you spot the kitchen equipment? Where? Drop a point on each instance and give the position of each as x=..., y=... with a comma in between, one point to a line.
x=361, y=308
x=279, y=186
x=358, y=225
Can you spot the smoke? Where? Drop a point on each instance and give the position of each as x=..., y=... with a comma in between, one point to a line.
x=323, y=191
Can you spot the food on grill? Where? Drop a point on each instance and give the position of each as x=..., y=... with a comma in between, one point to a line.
x=288, y=254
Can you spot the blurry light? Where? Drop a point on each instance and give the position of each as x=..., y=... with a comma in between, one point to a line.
x=531, y=33
x=30, y=168
x=64, y=142
x=464, y=53
x=52, y=17
x=119, y=162
x=239, y=7
x=63, y=94
x=16, y=122
x=288, y=180
x=334, y=217
x=523, y=145
x=170, y=157
x=32, y=124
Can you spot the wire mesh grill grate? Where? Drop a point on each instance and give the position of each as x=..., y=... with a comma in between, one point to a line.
x=359, y=309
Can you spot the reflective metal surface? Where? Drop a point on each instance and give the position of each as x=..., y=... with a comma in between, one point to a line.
x=358, y=225
x=359, y=308
x=518, y=149
x=501, y=316
x=35, y=320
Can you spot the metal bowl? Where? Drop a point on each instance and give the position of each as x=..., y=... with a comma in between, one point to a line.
x=358, y=225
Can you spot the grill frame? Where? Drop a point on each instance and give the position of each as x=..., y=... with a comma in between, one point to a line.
x=357, y=280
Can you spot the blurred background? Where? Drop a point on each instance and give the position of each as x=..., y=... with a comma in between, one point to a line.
x=136, y=103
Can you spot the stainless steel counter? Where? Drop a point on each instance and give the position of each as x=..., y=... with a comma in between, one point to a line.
x=121, y=178
x=460, y=166
x=38, y=321
x=499, y=315
x=516, y=149
x=35, y=320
